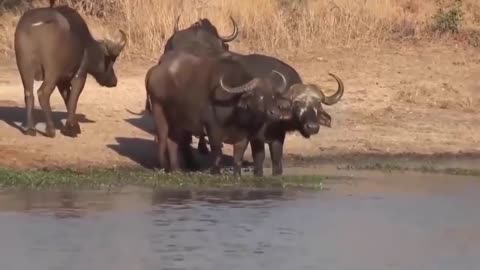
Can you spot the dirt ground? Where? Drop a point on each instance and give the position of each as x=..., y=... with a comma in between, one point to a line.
x=420, y=99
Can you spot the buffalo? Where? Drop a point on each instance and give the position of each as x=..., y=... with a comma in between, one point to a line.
x=307, y=113
x=307, y=116
x=200, y=38
x=54, y=45
x=189, y=96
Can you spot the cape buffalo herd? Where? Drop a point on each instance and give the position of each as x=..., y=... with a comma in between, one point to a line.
x=199, y=87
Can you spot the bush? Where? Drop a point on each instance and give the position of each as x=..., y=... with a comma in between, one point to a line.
x=448, y=20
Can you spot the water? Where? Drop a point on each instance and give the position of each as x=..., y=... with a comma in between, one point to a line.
x=383, y=222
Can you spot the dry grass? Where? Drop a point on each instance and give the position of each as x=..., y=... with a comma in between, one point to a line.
x=442, y=96
x=266, y=25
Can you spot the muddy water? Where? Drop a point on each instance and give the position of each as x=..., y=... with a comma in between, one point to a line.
x=373, y=221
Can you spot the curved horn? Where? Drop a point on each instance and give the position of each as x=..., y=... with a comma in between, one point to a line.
x=249, y=86
x=284, y=82
x=330, y=100
x=123, y=39
x=116, y=45
x=233, y=35
x=175, y=26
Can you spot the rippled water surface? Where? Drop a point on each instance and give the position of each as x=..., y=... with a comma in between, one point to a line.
x=383, y=222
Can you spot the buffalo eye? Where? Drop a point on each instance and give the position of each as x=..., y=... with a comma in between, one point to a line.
x=298, y=103
x=317, y=104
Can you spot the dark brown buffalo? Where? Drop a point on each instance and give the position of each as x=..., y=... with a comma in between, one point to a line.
x=54, y=45
x=189, y=96
x=307, y=116
x=200, y=38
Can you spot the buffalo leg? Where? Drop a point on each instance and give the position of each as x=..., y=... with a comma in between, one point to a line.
x=216, y=146
x=238, y=152
x=29, y=104
x=276, y=154
x=44, y=93
x=258, y=153
x=162, y=134
x=175, y=138
x=64, y=89
x=172, y=147
x=187, y=151
x=202, y=145
x=27, y=81
x=72, y=128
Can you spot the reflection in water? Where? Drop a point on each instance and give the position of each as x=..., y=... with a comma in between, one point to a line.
x=361, y=226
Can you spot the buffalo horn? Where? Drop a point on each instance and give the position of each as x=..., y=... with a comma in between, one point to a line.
x=249, y=86
x=123, y=39
x=116, y=46
x=330, y=100
x=284, y=81
x=175, y=26
x=234, y=34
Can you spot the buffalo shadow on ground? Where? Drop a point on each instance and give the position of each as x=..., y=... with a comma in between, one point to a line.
x=144, y=151
x=15, y=116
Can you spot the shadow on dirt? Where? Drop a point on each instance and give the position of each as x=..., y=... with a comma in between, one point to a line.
x=14, y=116
x=143, y=122
x=144, y=153
x=141, y=151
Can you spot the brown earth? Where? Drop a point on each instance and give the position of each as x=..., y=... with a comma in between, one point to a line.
x=422, y=99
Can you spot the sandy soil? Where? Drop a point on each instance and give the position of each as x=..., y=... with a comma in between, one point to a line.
x=413, y=99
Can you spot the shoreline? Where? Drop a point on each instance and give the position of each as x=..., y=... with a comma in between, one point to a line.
x=309, y=173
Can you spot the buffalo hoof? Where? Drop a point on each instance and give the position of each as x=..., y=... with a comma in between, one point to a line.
x=258, y=173
x=76, y=128
x=50, y=132
x=30, y=132
x=70, y=130
x=277, y=171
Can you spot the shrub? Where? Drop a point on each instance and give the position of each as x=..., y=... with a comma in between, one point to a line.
x=449, y=19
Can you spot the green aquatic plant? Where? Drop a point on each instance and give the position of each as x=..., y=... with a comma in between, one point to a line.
x=393, y=167
x=99, y=178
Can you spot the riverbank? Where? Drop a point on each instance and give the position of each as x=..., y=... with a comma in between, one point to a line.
x=306, y=177
x=111, y=178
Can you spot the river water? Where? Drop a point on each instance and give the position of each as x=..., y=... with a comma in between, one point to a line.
x=380, y=221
